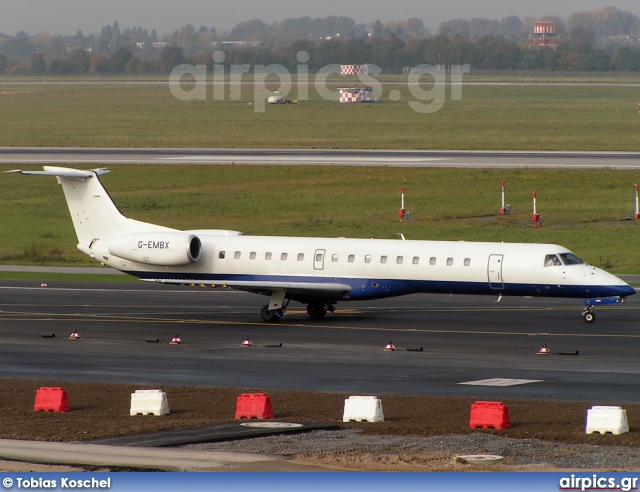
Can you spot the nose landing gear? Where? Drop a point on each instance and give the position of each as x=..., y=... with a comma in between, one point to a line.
x=589, y=315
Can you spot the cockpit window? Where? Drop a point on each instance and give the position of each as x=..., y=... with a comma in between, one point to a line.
x=571, y=259
x=552, y=260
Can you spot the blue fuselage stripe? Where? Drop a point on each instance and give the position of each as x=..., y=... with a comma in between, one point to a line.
x=363, y=289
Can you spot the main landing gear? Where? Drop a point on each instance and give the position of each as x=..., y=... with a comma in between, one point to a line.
x=318, y=310
x=270, y=315
x=315, y=310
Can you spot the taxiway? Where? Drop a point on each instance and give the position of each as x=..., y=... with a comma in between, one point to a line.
x=463, y=340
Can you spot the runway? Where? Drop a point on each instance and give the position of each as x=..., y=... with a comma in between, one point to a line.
x=324, y=157
x=464, y=339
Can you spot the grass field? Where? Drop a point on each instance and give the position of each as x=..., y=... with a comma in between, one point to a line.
x=582, y=210
x=525, y=117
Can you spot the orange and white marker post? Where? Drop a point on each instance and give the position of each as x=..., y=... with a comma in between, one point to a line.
x=503, y=210
x=402, y=212
x=535, y=217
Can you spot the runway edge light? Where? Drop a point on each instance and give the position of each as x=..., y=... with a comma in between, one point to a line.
x=544, y=350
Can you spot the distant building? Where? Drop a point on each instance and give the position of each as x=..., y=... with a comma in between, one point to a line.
x=237, y=44
x=72, y=47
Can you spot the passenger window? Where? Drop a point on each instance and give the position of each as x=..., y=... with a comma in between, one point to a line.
x=300, y=256
x=352, y=258
x=367, y=259
x=416, y=260
x=221, y=255
x=237, y=255
x=252, y=256
x=399, y=260
x=449, y=261
x=284, y=256
x=319, y=257
x=383, y=259
x=552, y=260
x=267, y=256
x=334, y=259
x=432, y=261
x=467, y=261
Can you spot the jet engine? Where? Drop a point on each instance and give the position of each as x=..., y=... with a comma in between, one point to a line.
x=157, y=248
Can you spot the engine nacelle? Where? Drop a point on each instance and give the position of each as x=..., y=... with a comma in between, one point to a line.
x=157, y=248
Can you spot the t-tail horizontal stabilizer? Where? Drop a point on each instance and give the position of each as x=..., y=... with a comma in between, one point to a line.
x=62, y=172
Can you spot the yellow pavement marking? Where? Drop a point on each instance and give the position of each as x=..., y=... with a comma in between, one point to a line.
x=17, y=316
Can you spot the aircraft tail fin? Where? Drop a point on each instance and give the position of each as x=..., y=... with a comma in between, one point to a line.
x=94, y=214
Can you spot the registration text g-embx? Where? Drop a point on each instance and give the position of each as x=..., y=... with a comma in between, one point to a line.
x=153, y=244
x=64, y=483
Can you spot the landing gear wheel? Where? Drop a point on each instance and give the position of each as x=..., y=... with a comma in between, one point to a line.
x=268, y=315
x=589, y=317
x=317, y=310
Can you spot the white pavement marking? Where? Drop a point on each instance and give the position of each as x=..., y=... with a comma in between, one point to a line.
x=283, y=157
x=502, y=382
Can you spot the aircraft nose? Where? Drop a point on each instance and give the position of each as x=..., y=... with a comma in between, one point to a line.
x=627, y=290
x=615, y=285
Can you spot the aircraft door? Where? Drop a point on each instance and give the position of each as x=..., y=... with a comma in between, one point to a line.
x=318, y=259
x=494, y=271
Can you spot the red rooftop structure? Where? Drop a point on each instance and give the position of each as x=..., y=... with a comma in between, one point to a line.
x=543, y=36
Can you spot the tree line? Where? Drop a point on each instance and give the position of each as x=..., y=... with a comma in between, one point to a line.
x=391, y=54
x=602, y=40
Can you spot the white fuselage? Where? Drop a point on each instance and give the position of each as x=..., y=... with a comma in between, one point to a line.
x=374, y=268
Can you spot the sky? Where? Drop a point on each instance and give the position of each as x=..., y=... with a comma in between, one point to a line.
x=67, y=16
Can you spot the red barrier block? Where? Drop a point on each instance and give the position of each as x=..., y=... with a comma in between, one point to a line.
x=254, y=406
x=51, y=400
x=489, y=415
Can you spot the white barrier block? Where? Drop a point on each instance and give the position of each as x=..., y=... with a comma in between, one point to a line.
x=607, y=419
x=149, y=402
x=361, y=408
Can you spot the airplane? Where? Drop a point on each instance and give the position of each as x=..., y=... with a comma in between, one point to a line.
x=320, y=272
